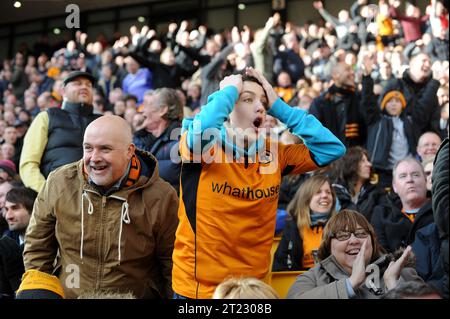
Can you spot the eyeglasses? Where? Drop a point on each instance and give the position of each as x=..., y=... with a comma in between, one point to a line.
x=344, y=234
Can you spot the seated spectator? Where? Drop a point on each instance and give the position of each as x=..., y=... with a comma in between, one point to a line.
x=244, y=288
x=309, y=211
x=426, y=248
x=8, y=171
x=354, y=184
x=397, y=220
x=428, y=145
x=428, y=169
x=348, y=248
x=7, y=151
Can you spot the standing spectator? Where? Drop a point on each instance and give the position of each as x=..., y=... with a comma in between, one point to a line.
x=392, y=135
x=261, y=49
x=19, y=79
x=414, y=85
x=18, y=206
x=163, y=113
x=126, y=217
x=341, y=24
x=289, y=60
x=411, y=22
x=339, y=110
x=312, y=206
x=55, y=136
x=397, y=221
x=138, y=80
x=214, y=241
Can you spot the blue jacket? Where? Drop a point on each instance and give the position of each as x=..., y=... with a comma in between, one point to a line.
x=427, y=249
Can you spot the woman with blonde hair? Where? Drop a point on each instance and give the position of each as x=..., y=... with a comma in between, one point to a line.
x=244, y=288
x=309, y=210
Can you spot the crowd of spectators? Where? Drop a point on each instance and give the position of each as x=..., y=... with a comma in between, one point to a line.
x=377, y=76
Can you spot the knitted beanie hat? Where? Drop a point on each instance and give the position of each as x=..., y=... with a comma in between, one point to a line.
x=393, y=94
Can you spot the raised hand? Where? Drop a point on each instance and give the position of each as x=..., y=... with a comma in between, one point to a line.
x=318, y=5
x=359, y=267
x=245, y=35
x=392, y=273
x=367, y=65
x=235, y=36
x=271, y=94
x=234, y=80
x=173, y=27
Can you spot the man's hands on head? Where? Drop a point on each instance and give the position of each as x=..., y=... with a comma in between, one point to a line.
x=270, y=92
x=232, y=80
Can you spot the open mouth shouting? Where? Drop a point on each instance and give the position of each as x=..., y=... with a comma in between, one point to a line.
x=258, y=122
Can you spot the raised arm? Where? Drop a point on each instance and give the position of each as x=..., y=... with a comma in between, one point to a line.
x=323, y=145
x=214, y=113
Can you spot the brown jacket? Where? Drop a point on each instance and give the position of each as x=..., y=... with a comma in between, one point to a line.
x=122, y=241
x=327, y=281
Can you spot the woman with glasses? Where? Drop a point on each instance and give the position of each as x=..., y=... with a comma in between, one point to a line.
x=352, y=263
x=309, y=211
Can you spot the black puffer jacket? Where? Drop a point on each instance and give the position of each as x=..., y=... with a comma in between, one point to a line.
x=161, y=147
x=369, y=197
x=393, y=228
x=289, y=253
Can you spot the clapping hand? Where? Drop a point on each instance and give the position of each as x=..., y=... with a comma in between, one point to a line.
x=392, y=273
x=359, y=267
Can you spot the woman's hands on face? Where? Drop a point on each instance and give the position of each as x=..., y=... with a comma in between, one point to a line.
x=359, y=267
x=392, y=273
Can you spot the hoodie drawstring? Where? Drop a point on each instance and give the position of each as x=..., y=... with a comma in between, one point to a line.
x=125, y=218
x=90, y=212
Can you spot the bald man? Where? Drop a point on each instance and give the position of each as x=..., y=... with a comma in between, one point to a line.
x=428, y=145
x=338, y=108
x=108, y=219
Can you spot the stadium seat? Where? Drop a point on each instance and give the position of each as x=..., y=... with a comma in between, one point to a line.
x=281, y=281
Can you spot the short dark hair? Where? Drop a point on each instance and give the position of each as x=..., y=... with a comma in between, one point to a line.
x=249, y=78
x=22, y=195
x=410, y=289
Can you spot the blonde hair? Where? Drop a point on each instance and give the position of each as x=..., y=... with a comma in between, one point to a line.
x=244, y=288
x=299, y=209
x=106, y=294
